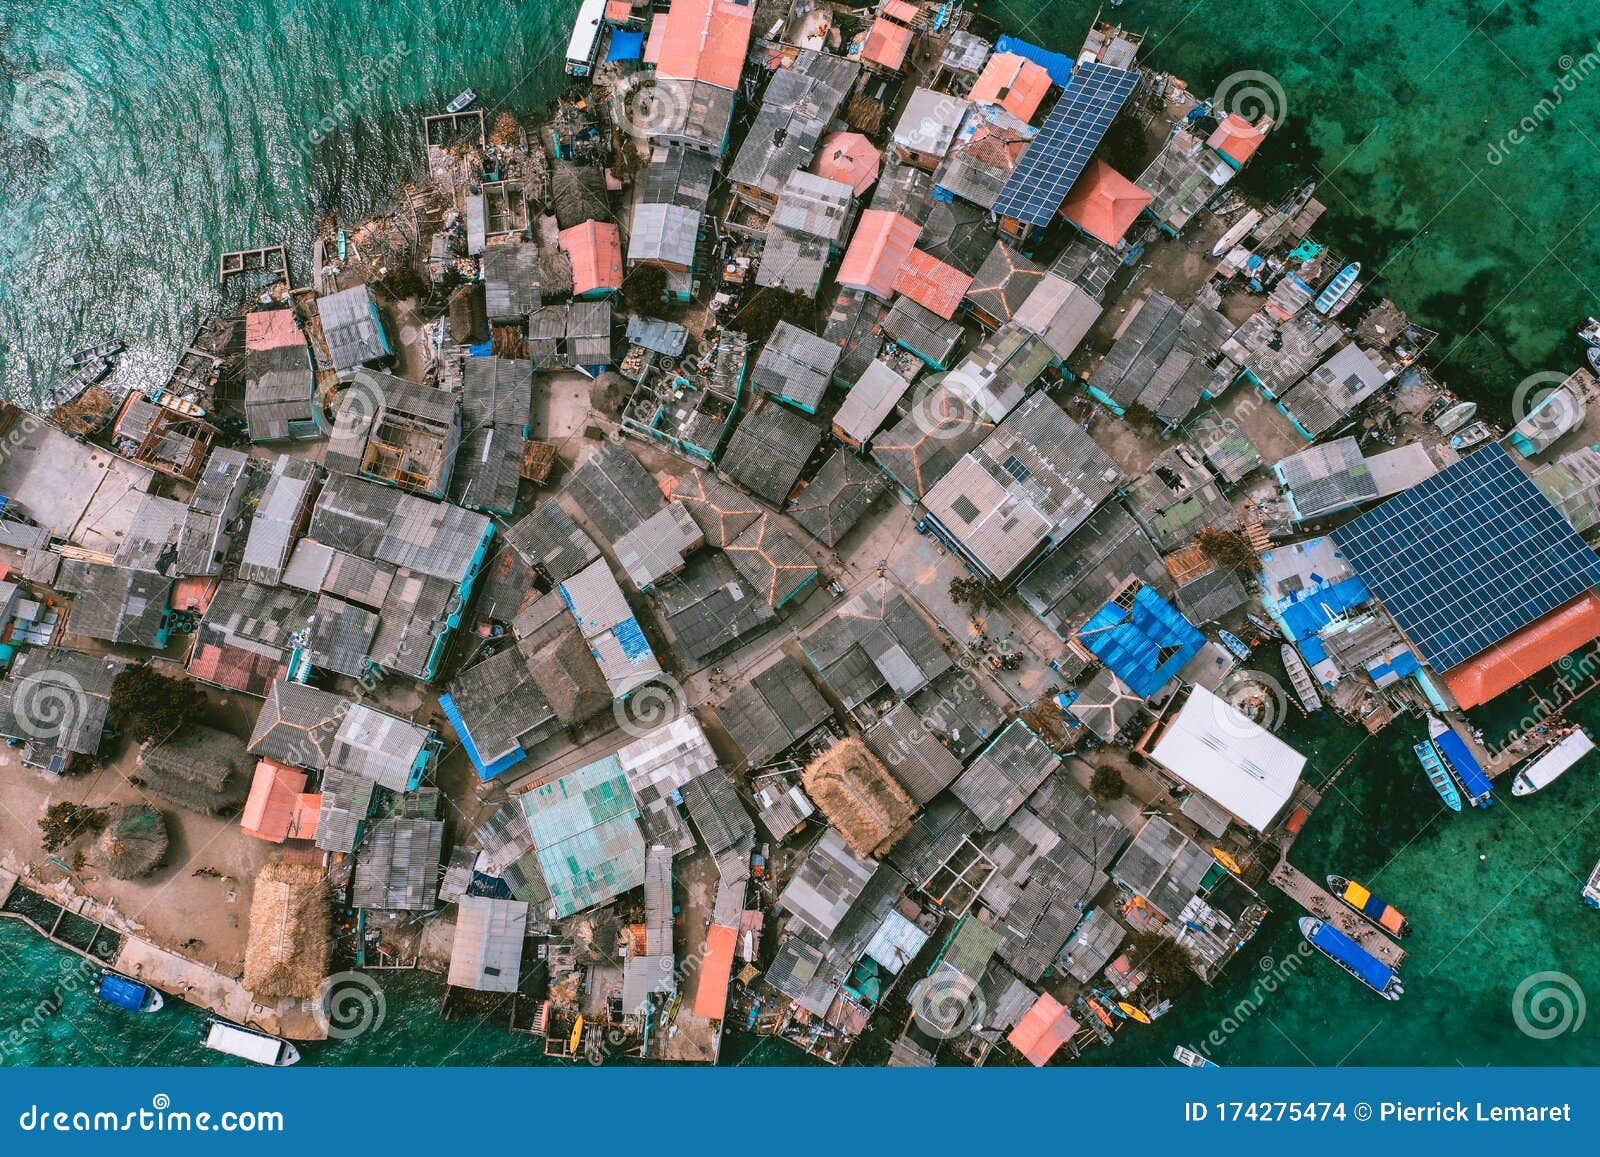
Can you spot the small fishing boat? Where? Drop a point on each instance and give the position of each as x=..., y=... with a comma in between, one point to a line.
x=1260, y=624
x=1455, y=417
x=1227, y=861
x=1133, y=1012
x=1337, y=289
x=178, y=405
x=248, y=1044
x=1188, y=1058
x=1553, y=764
x=1462, y=763
x=1305, y=687
x=122, y=992
x=1593, y=354
x=463, y=99
x=1353, y=958
x=1237, y=233
x=1382, y=913
x=104, y=350
x=1589, y=335
x=1234, y=643
x=1591, y=890
x=1438, y=775
x=1472, y=435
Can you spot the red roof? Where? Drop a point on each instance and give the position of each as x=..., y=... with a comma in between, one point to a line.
x=932, y=283
x=850, y=158
x=193, y=593
x=1015, y=83
x=901, y=10
x=882, y=243
x=619, y=11
x=1526, y=652
x=1103, y=203
x=235, y=668
x=887, y=44
x=711, y=998
x=1042, y=1030
x=705, y=40
x=274, y=792
x=1237, y=139
x=270, y=329
x=596, y=251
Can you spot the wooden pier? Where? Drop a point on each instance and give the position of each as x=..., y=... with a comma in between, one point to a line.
x=266, y=259
x=1317, y=900
x=446, y=128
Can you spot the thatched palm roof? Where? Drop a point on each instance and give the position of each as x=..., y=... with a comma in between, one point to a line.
x=133, y=842
x=199, y=768
x=289, y=941
x=860, y=798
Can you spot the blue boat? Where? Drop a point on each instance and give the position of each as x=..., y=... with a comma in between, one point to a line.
x=129, y=994
x=1353, y=958
x=1459, y=759
x=1235, y=644
x=1336, y=289
x=1438, y=775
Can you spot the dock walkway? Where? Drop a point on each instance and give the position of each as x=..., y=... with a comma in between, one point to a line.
x=1317, y=900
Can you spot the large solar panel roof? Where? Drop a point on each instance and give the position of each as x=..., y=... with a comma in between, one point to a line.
x=1070, y=134
x=1469, y=556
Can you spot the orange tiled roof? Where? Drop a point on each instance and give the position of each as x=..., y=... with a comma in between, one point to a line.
x=1042, y=1030
x=850, y=158
x=932, y=283
x=269, y=810
x=881, y=244
x=1526, y=652
x=1015, y=83
x=1104, y=203
x=901, y=10
x=887, y=44
x=1236, y=138
x=705, y=40
x=596, y=251
x=711, y=998
x=270, y=329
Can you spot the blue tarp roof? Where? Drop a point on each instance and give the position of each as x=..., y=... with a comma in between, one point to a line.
x=632, y=641
x=1313, y=649
x=1145, y=644
x=1461, y=760
x=1367, y=966
x=1314, y=611
x=1058, y=66
x=122, y=992
x=625, y=45
x=485, y=771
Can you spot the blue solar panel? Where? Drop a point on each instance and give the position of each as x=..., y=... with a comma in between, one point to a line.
x=1468, y=557
x=1070, y=135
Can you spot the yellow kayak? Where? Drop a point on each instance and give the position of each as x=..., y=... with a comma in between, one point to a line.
x=1137, y=1014
x=1227, y=861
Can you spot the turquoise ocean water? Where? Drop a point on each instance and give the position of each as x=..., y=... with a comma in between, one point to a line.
x=140, y=139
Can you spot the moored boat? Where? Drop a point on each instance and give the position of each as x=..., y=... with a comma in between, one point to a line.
x=248, y=1044
x=99, y=352
x=1337, y=289
x=1552, y=764
x=1472, y=435
x=1591, y=889
x=1462, y=763
x=1305, y=688
x=463, y=99
x=1234, y=643
x=1193, y=1060
x=1133, y=1012
x=1438, y=775
x=1382, y=913
x=123, y=992
x=1353, y=958
x=1455, y=417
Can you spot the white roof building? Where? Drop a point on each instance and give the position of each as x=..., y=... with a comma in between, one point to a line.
x=1230, y=759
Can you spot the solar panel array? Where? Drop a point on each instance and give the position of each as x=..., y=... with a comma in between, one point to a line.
x=1469, y=556
x=1069, y=136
